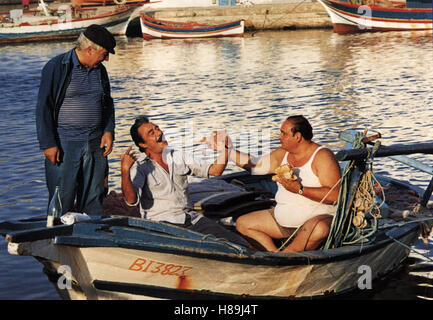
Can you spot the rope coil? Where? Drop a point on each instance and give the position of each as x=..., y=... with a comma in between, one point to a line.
x=356, y=201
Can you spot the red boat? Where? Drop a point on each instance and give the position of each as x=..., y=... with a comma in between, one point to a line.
x=162, y=29
x=372, y=15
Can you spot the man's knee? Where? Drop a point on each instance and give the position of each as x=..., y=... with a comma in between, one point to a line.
x=319, y=227
x=241, y=224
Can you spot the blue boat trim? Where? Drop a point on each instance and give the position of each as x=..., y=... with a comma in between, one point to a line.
x=192, y=30
x=412, y=15
x=60, y=33
x=342, y=17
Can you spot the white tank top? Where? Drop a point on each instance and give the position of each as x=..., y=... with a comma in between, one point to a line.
x=292, y=209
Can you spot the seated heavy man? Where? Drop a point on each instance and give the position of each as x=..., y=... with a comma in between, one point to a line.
x=304, y=199
x=157, y=180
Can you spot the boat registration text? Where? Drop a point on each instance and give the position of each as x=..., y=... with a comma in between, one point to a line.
x=157, y=267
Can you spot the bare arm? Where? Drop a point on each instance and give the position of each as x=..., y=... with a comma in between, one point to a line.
x=327, y=169
x=221, y=142
x=218, y=167
x=258, y=165
x=218, y=141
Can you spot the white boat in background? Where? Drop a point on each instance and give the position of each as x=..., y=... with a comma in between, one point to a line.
x=162, y=29
x=384, y=15
x=61, y=23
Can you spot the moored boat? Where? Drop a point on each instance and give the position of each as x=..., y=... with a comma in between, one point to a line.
x=83, y=3
x=162, y=29
x=366, y=16
x=125, y=257
x=62, y=23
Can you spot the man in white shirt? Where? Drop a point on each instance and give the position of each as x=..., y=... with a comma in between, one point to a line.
x=157, y=180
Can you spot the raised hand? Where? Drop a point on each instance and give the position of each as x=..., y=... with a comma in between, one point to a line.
x=127, y=160
x=218, y=140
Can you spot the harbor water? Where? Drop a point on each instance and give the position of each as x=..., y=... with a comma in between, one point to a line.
x=379, y=81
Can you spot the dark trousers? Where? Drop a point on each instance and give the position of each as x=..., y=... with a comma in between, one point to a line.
x=207, y=226
x=80, y=176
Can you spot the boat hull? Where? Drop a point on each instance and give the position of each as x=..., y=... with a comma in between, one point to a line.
x=59, y=29
x=119, y=272
x=158, y=29
x=353, y=18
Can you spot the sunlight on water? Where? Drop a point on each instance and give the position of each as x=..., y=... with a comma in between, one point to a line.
x=247, y=85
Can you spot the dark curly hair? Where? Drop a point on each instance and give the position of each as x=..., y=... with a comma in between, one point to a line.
x=134, y=131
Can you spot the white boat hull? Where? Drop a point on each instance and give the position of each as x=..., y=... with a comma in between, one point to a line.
x=348, y=18
x=120, y=273
x=153, y=31
x=62, y=28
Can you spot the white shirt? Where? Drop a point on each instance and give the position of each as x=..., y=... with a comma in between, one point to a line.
x=163, y=196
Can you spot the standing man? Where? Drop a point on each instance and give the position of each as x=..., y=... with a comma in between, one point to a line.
x=157, y=180
x=75, y=121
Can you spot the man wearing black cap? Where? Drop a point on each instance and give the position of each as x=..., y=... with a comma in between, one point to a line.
x=75, y=121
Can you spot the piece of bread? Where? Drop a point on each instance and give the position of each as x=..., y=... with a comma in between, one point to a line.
x=287, y=171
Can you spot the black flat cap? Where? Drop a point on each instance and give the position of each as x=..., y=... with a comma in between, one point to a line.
x=101, y=36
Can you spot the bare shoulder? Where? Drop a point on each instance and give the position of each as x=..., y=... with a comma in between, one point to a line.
x=277, y=156
x=325, y=160
x=278, y=153
x=325, y=154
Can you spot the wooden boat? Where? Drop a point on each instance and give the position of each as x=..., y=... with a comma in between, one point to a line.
x=83, y=3
x=383, y=15
x=162, y=29
x=62, y=23
x=126, y=257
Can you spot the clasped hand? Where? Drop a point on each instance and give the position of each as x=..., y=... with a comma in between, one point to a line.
x=218, y=140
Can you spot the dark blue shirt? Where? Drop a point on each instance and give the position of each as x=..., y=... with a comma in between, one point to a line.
x=55, y=79
x=80, y=117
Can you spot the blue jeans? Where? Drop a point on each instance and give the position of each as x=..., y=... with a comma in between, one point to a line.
x=80, y=176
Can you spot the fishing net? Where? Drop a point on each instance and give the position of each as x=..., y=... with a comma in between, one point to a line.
x=357, y=210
